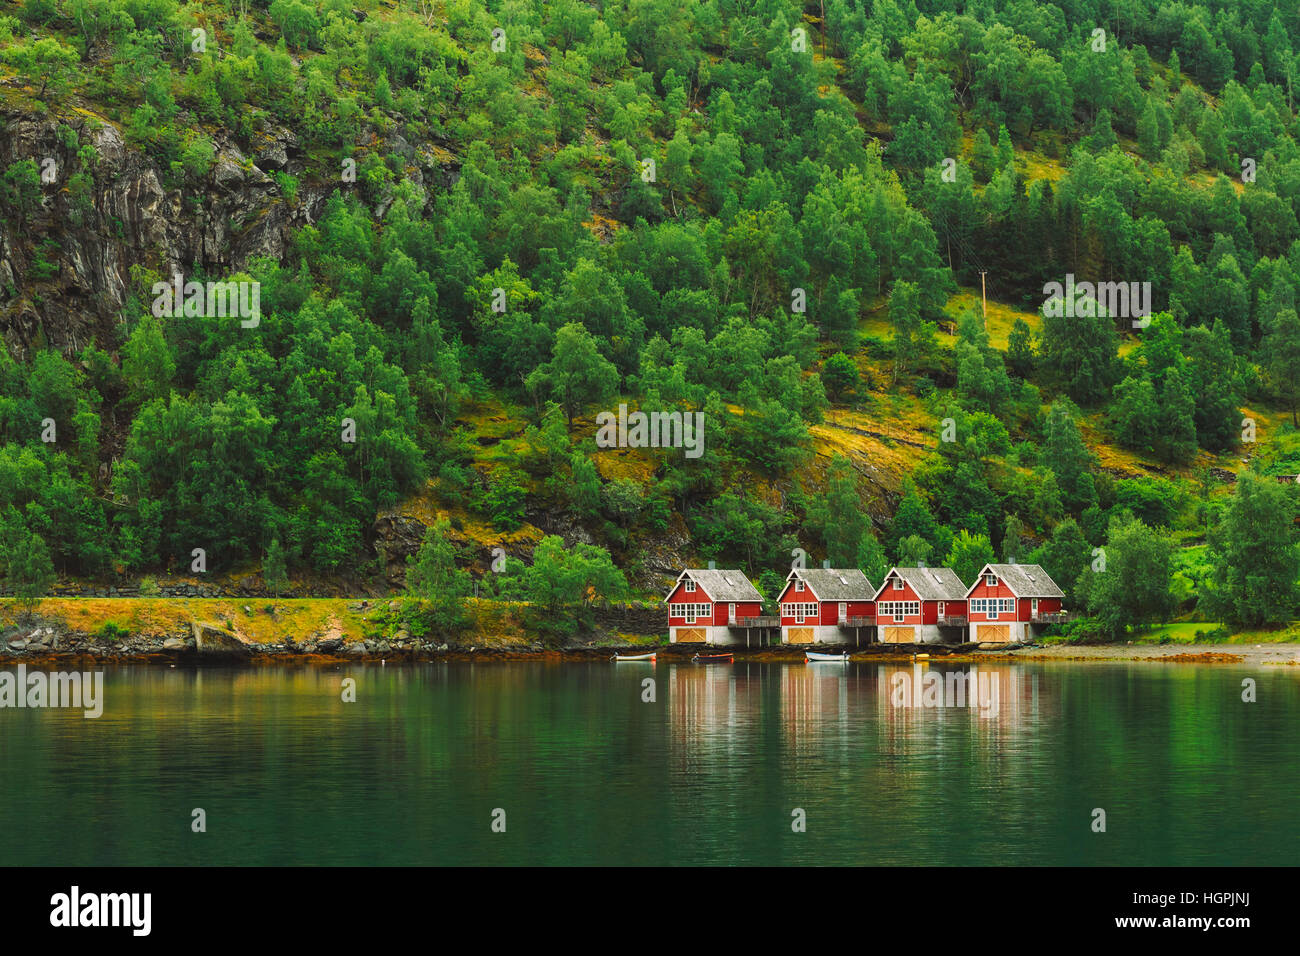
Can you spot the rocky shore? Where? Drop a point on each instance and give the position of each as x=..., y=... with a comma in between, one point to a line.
x=209, y=642
x=198, y=642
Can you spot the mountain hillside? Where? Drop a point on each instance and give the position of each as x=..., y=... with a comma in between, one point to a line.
x=425, y=252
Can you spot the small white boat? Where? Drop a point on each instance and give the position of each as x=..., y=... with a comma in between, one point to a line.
x=633, y=657
x=812, y=657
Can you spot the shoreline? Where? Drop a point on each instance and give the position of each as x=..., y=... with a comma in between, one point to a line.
x=93, y=652
x=196, y=631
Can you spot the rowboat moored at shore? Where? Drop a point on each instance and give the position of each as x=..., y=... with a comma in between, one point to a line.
x=812, y=657
x=633, y=657
x=713, y=658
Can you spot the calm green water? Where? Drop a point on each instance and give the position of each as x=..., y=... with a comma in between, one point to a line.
x=587, y=772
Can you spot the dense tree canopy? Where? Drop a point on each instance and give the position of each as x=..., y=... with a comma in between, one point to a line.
x=681, y=208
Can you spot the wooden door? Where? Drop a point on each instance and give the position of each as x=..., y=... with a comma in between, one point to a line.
x=994, y=633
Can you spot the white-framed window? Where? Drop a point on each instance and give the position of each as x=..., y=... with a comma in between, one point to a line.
x=799, y=611
x=798, y=586
x=993, y=606
x=897, y=609
x=898, y=584
x=690, y=611
x=991, y=580
x=690, y=585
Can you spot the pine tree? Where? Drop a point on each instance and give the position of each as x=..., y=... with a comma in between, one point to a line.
x=274, y=571
x=1281, y=359
x=584, y=489
x=1065, y=454
x=433, y=577
x=913, y=518
x=1065, y=556
x=1006, y=152
x=1176, y=439
x=905, y=316
x=1148, y=131
x=843, y=519
x=1013, y=541
x=1020, y=349
x=1103, y=134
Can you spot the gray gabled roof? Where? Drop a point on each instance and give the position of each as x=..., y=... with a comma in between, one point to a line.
x=1025, y=580
x=930, y=584
x=835, y=584
x=721, y=585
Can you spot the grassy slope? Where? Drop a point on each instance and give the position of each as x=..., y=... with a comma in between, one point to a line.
x=265, y=621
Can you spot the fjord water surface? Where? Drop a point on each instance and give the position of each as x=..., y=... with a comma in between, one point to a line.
x=886, y=764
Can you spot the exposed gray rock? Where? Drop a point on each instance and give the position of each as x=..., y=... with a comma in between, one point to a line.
x=133, y=219
x=274, y=157
x=213, y=640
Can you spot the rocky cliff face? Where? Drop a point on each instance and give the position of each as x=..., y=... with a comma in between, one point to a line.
x=65, y=267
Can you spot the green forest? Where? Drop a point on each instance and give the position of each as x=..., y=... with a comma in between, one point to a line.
x=511, y=217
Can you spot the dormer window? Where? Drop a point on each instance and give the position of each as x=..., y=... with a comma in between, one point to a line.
x=991, y=580
x=690, y=585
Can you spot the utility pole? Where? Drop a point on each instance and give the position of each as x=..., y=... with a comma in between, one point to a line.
x=984, y=300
